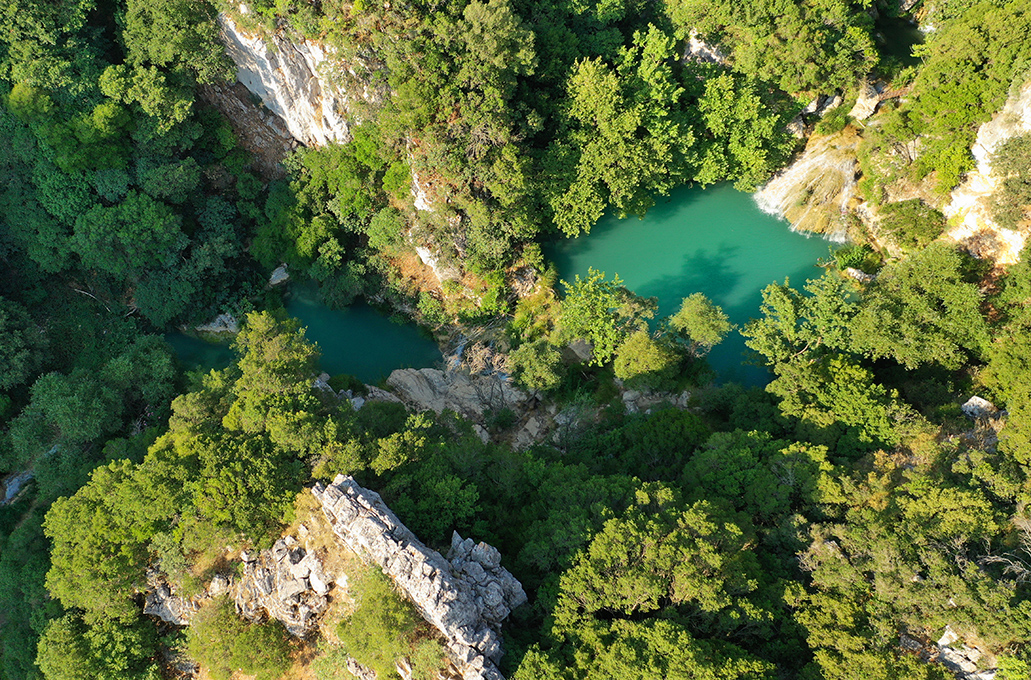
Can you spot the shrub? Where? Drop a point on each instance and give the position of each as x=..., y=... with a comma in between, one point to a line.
x=385, y=627
x=912, y=224
x=223, y=643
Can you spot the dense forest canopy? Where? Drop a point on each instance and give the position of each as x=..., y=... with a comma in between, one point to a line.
x=830, y=526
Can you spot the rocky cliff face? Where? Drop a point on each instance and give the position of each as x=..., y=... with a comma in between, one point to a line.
x=968, y=208
x=429, y=389
x=465, y=597
x=296, y=80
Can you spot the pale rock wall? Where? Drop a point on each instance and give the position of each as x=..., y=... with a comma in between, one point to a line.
x=465, y=597
x=968, y=210
x=291, y=79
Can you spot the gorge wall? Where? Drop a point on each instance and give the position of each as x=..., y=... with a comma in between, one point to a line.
x=295, y=79
x=968, y=209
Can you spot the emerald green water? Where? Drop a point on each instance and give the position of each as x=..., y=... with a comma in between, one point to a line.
x=715, y=241
x=358, y=340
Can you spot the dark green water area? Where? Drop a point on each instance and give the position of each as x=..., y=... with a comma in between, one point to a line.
x=715, y=241
x=359, y=340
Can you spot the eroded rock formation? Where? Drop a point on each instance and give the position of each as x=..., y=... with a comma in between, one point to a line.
x=969, y=207
x=429, y=389
x=285, y=582
x=465, y=597
x=294, y=80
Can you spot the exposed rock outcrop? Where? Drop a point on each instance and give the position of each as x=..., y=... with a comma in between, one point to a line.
x=815, y=192
x=260, y=131
x=968, y=208
x=285, y=582
x=280, y=274
x=802, y=125
x=978, y=407
x=697, y=50
x=221, y=324
x=291, y=79
x=161, y=602
x=465, y=598
x=12, y=486
x=429, y=389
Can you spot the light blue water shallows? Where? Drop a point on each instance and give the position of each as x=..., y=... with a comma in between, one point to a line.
x=358, y=340
x=715, y=241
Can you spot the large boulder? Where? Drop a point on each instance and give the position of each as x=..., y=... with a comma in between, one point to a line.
x=430, y=389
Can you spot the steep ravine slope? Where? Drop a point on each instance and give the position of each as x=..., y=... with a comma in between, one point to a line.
x=291, y=79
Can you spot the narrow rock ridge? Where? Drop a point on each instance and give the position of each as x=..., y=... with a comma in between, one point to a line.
x=465, y=598
x=289, y=78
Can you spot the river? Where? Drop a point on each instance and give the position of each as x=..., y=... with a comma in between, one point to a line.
x=358, y=340
x=715, y=241
x=711, y=240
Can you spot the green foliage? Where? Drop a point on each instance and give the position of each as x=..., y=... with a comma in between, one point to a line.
x=223, y=643
x=922, y=310
x=385, y=627
x=628, y=140
x=174, y=34
x=128, y=238
x=643, y=361
x=537, y=365
x=701, y=323
x=1009, y=162
x=70, y=649
x=746, y=138
x=100, y=537
x=959, y=85
x=811, y=45
x=664, y=554
x=602, y=312
x=853, y=257
x=912, y=224
x=21, y=345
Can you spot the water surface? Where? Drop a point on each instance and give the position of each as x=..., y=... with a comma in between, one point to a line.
x=358, y=340
x=715, y=241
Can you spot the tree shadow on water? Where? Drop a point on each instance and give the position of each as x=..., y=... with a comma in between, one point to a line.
x=702, y=271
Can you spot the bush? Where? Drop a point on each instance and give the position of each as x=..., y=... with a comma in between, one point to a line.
x=385, y=627
x=345, y=381
x=912, y=224
x=223, y=643
x=537, y=365
x=852, y=257
x=643, y=362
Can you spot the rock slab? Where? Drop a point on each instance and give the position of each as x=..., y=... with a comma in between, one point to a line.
x=285, y=582
x=465, y=597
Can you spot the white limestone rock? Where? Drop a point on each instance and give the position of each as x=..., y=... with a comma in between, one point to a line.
x=430, y=389
x=465, y=596
x=279, y=275
x=969, y=208
x=291, y=80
